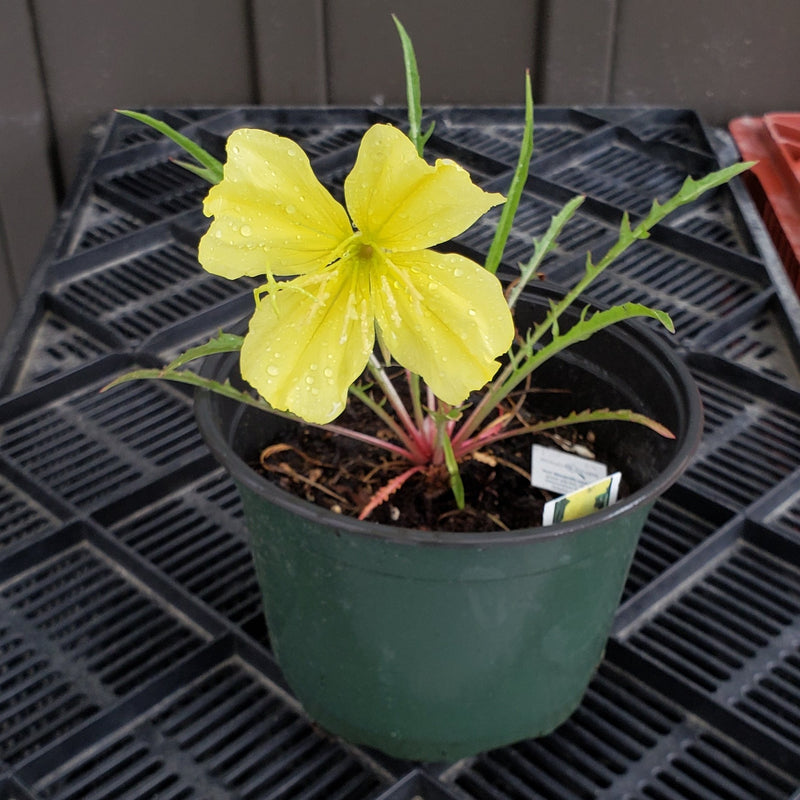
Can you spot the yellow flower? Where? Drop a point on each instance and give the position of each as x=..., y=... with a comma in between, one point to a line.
x=441, y=316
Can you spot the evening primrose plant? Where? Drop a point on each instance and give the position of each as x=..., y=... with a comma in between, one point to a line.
x=350, y=292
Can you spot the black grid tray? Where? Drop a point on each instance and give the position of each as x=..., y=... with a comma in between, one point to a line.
x=134, y=659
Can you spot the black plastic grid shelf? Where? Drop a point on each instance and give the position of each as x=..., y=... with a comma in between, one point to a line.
x=40, y=702
x=761, y=344
x=734, y=635
x=127, y=133
x=583, y=233
x=751, y=442
x=21, y=516
x=57, y=346
x=697, y=292
x=677, y=524
x=11, y=790
x=789, y=516
x=154, y=288
x=98, y=619
x=498, y=135
x=316, y=137
x=134, y=660
x=620, y=170
x=224, y=733
x=196, y=536
x=162, y=185
x=625, y=741
x=100, y=223
x=318, y=134
x=88, y=447
x=679, y=127
x=780, y=509
x=77, y=633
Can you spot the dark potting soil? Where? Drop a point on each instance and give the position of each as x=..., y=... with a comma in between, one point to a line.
x=344, y=475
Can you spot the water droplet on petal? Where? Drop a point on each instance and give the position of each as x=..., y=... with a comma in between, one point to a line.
x=432, y=287
x=309, y=379
x=246, y=230
x=272, y=370
x=457, y=273
x=290, y=209
x=471, y=312
x=327, y=372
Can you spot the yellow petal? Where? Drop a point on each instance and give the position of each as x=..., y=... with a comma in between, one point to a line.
x=443, y=317
x=271, y=214
x=301, y=353
x=402, y=203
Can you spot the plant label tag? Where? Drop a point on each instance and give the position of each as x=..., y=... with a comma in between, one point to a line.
x=585, y=501
x=557, y=471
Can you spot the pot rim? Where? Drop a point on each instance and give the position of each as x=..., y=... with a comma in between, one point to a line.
x=674, y=367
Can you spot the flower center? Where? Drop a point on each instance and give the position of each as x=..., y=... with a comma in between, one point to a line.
x=365, y=251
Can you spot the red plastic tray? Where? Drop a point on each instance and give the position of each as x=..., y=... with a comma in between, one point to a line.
x=774, y=141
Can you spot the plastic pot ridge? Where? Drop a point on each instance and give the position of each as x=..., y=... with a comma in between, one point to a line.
x=436, y=646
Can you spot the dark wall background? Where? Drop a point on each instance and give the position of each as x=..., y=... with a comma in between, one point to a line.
x=65, y=63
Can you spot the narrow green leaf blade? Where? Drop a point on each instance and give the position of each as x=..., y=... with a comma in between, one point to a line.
x=450, y=460
x=190, y=378
x=498, y=246
x=203, y=172
x=413, y=91
x=192, y=148
x=600, y=415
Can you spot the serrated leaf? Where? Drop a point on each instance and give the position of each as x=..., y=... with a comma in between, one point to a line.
x=543, y=245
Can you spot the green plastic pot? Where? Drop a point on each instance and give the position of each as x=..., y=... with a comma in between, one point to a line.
x=435, y=646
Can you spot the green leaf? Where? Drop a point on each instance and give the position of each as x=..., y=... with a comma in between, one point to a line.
x=498, y=246
x=213, y=171
x=221, y=343
x=190, y=378
x=451, y=462
x=598, y=415
x=690, y=191
x=203, y=172
x=589, y=325
x=543, y=246
x=427, y=135
x=527, y=360
x=413, y=91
